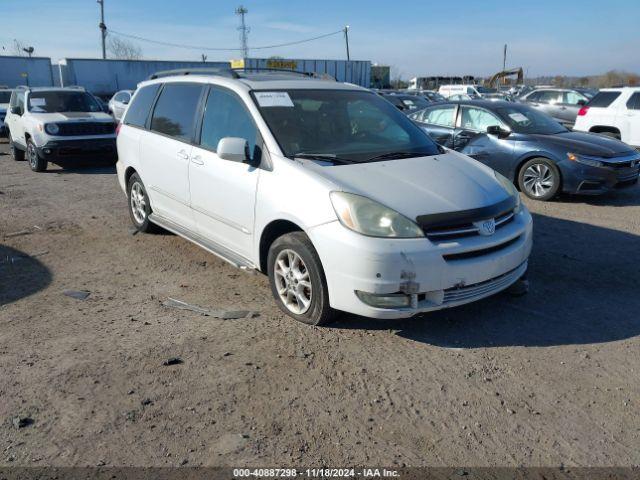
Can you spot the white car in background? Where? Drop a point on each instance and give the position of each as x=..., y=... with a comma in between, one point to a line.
x=118, y=103
x=614, y=112
x=326, y=187
x=5, y=100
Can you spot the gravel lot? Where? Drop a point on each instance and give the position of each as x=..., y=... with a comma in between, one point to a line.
x=546, y=379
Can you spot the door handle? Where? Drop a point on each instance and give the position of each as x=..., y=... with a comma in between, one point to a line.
x=183, y=155
x=197, y=160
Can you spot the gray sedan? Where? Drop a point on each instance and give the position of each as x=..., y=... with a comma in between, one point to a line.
x=562, y=104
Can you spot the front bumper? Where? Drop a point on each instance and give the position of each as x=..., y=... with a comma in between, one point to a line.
x=438, y=275
x=95, y=148
x=590, y=180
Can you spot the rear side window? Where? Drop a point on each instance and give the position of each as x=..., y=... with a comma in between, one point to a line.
x=226, y=116
x=442, y=116
x=603, y=99
x=138, y=111
x=634, y=102
x=175, y=111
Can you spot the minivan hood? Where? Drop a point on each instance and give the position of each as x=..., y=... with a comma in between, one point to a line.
x=419, y=186
x=586, y=144
x=72, y=117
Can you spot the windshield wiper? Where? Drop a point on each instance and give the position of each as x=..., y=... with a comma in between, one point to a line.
x=396, y=155
x=329, y=157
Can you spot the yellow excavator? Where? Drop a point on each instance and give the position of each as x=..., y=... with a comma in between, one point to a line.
x=500, y=77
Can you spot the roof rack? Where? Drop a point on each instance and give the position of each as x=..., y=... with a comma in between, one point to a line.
x=221, y=72
x=233, y=72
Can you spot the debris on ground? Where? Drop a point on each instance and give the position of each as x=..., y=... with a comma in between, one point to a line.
x=26, y=231
x=77, y=294
x=172, y=361
x=209, y=312
x=21, y=421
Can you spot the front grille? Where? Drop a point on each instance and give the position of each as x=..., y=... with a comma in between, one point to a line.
x=480, y=252
x=468, y=293
x=86, y=128
x=468, y=229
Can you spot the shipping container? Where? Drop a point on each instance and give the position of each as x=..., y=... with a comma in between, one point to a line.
x=105, y=77
x=351, y=71
x=34, y=72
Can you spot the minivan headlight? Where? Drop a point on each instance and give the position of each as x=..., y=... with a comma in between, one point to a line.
x=510, y=188
x=52, y=128
x=370, y=218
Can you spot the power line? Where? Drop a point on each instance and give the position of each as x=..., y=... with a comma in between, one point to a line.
x=195, y=47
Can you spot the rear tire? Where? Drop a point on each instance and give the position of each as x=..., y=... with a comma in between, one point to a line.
x=37, y=163
x=297, y=280
x=539, y=179
x=16, y=153
x=139, y=205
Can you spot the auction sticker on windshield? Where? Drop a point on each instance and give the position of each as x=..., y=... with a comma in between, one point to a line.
x=274, y=99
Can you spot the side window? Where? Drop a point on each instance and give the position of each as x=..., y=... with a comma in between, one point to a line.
x=120, y=97
x=175, y=111
x=226, y=116
x=442, y=116
x=634, y=102
x=478, y=119
x=534, y=97
x=138, y=111
x=549, y=96
x=572, y=98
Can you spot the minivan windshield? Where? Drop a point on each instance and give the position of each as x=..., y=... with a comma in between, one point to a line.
x=522, y=119
x=350, y=125
x=61, y=101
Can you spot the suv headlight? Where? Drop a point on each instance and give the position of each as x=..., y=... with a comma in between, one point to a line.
x=370, y=218
x=52, y=128
x=510, y=188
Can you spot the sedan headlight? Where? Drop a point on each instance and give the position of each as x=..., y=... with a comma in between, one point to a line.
x=52, y=128
x=574, y=157
x=510, y=188
x=370, y=218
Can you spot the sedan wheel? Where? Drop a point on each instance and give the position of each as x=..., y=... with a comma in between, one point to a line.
x=539, y=179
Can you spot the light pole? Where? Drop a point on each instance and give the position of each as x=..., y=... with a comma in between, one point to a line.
x=346, y=40
x=103, y=30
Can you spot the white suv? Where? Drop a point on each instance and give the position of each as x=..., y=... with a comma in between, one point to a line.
x=614, y=112
x=58, y=124
x=326, y=187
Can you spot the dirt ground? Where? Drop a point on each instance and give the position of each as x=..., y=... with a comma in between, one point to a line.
x=546, y=379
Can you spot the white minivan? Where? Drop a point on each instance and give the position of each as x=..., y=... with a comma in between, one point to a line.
x=473, y=91
x=325, y=187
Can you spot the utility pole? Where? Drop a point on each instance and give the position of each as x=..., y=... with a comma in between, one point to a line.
x=346, y=40
x=103, y=30
x=244, y=30
x=504, y=58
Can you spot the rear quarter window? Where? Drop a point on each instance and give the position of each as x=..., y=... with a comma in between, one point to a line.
x=634, y=102
x=138, y=111
x=603, y=99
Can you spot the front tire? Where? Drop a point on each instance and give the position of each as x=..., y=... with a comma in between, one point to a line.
x=36, y=163
x=139, y=205
x=539, y=179
x=297, y=280
x=16, y=153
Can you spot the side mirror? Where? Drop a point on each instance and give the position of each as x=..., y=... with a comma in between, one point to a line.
x=233, y=149
x=582, y=103
x=498, y=131
x=16, y=110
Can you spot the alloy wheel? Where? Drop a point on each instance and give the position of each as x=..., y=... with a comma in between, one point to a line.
x=538, y=179
x=293, y=282
x=138, y=203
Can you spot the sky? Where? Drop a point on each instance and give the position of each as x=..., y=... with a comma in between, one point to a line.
x=561, y=37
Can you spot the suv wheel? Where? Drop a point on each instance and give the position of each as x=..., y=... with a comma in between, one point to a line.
x=36, y=163
x=297, y=279
x=16, y=153
x=139, y=205
x=539, y=179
